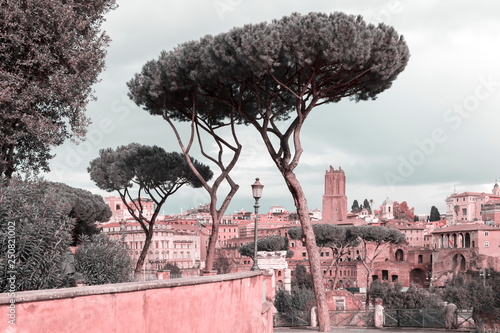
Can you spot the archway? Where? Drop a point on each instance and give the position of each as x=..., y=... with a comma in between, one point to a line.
x=280, y=285
x=417, y=277
x=340, y=284
x=459, y=262
x=399, y=255
x=330, y=284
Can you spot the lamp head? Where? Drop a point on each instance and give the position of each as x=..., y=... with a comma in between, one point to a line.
x=257, y=189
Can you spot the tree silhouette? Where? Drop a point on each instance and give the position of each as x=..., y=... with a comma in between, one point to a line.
x=435, y=216
x=340, y=239
x=374, y=239
x=277, y=72
x=355, y=207
x=156, y=173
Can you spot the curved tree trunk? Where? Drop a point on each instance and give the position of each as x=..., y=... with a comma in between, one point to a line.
x=212, y=242
x=312, y=250
x=142, y=256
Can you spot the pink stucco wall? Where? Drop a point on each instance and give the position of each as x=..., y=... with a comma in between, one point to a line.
x=221, y=303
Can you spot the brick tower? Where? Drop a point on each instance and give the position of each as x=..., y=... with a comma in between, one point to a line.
x=334, y=200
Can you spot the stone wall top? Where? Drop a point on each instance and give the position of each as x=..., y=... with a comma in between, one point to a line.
x=51, y=294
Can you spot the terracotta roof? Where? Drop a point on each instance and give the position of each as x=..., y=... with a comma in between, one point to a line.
x=465, y=227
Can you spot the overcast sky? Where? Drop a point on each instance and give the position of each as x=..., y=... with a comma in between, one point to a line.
x=435, y=131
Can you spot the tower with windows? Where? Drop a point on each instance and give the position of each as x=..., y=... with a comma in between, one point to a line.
x=334, y=199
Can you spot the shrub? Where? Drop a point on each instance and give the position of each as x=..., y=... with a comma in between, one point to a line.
x=175, y=271
x=270, y=243
x=393, y=297
x=301, y=278
x=34, y=235
x=103, y=260
x=296, y=305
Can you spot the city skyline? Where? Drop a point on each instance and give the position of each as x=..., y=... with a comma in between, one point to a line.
x=432, y=132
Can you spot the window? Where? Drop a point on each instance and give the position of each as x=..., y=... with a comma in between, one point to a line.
x=486, y=244
x=420, y=258
x=340, y=303
x=464, y=211
x=385, y=275
x=304, y=254
x=486, y=233
x=118, y=207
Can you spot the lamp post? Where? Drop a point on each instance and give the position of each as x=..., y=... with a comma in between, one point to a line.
x=257, y=193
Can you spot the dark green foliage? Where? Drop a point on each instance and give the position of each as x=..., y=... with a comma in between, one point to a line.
x=222, y=264
x=298, y=304
x=366, y=205
x=175, y=271
x=51, y=53
x=301, y=278
x=469, y=294
x=155, y=172
x=355, y=207
x=416, y=219
x=35, y=232
x=316, y=55
x=85, y=207
x=148, y=167
x=270, y=243
x=329, y=235
x=103, y=260
x=379, y=235
x=394, y=298
x=435, y=216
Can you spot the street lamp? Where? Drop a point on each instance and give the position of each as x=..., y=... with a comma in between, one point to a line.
x=257, y=193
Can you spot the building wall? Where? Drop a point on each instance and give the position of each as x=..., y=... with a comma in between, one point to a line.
x=181, y=247
x=220, y=303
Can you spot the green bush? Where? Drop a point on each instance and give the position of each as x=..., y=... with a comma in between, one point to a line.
x=393, y=297
x=35, y=233
x=103, y=260
x=301, y=278
x=296, y=305
x=270, y=243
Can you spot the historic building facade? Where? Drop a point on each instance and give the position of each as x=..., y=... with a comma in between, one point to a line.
x=469, y=206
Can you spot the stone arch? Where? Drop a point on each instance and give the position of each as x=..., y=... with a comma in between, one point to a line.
x=467, y=239
x=330, y=284
x=399, y=255
x=459, y=262
x=417, y=277
x=340, y=284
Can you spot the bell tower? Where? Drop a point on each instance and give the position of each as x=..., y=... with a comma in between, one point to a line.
x=334, y=199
